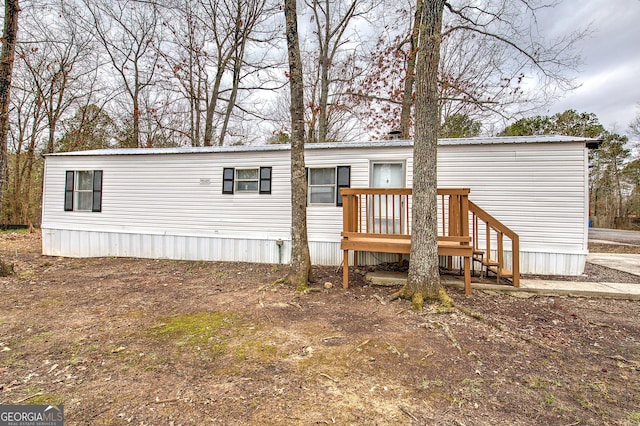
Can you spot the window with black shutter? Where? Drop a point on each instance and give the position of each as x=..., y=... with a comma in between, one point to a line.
x=324, y=184
x=246, y=180
x=83, y=190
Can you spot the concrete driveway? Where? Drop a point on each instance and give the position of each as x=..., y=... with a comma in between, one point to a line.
x=623, y=262
x=615, y=235
x=629, y=263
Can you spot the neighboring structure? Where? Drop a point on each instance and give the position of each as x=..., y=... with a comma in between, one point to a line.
x=233, y=203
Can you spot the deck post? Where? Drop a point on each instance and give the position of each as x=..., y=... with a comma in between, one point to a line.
x=467, y=275
x=345, y=270
x=515, y=260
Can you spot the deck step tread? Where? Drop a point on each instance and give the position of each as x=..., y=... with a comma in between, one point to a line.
x=504, y=273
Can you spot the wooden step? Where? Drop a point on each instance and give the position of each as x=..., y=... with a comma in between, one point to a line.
x=490, y=263
x=504, y=273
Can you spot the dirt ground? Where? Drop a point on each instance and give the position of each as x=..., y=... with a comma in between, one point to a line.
x=160, y=342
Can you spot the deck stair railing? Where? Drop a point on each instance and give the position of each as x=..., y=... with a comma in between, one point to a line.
x=487, y=228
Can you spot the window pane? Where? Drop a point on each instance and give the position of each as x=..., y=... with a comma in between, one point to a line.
x=68, y=200
x=246, y=186
x=321, y=195
x=322, y=176
x=247, y=174
x=84, y=181
x=84, y=201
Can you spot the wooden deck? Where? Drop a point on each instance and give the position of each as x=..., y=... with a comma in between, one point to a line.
x=378, y=220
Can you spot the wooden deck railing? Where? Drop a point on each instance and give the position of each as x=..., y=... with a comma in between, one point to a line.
x=388, y=211
x=379, y=219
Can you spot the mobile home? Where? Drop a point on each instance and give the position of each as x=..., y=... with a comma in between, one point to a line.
x=233, y=203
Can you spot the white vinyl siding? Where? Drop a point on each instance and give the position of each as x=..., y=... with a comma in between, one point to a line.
x=173, y=195
x=172, y=205
x=538, y=190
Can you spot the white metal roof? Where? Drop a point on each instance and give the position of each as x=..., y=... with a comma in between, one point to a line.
x=591, y=143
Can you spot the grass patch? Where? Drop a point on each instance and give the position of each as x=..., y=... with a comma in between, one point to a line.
x=549, y=398
x=256, y=350
x=46, y=399
x=207, y=333
x=24, y=230
x=38, y=397
x=429, y=384
x=43, y=337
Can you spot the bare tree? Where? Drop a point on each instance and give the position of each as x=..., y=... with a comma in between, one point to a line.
x=248, y=15
x=489, y=50
x=300, y=272
x=128, y=30
x=332, y=63
x=9, y=38
x=58, y=57
x=208, y=58
x=185, y=57
x=28, y=128
x=55, y=70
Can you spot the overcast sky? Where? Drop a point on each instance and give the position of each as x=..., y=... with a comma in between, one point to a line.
x=610, y=75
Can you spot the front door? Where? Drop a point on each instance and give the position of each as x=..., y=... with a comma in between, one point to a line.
x=387, y=213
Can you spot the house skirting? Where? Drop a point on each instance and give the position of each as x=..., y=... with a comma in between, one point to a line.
x=78, y=243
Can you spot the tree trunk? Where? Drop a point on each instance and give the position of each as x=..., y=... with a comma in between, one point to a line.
x=323, y=119
x=424, y=278
x=209, y=129
x=300, y=272
x=11, y=10
x=407, y=96
x=135, y=137
x=240, y=42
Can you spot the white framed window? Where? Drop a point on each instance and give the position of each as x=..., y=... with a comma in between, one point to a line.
x=83, y=191
x=247, y=180
x=324, y=185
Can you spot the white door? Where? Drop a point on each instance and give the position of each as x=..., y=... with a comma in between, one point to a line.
x=387, y=211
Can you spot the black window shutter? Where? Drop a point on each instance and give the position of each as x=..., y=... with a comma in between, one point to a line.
x=227, y=180
x=343, y=181
x=97, y=191
x=68, y=191
x=265, y=180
